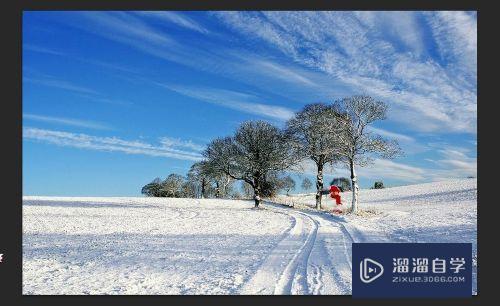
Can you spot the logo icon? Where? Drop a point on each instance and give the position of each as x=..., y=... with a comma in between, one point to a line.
x=370, y=270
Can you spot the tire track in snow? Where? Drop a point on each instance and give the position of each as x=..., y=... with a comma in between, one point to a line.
x=187, y=214
x=294, y=278
x=334, y=259
x=313, y=258
x=330, y=260
x=170, y=213
x=276, y=273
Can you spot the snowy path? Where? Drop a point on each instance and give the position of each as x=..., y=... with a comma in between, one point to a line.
x=312, y=258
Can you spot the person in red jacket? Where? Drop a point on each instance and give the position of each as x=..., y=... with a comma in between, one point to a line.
x=335, y=194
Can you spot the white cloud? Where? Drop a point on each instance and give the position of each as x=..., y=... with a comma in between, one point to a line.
x=67, y=121
x=239, y=64
x=125, y=27
x=378, y=53
x=455, y=162
x=380, y=169
x=176, y=18
x=177, y=142
x=381, y=54
x=389, y=134
x=60, y=84
x=234, y=100
x=39, y=49
x=388, y=169
x=456, y=36
x=109, y=144
x=280, y=71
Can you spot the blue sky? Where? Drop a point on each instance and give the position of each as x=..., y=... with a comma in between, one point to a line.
x=112, y=100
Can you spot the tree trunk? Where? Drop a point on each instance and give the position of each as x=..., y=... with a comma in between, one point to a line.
x=355, y=188
x=319, y=185
x=256, y=190
x=203, y=188
x=224, y=186
x=257, y=200
x=217, y=190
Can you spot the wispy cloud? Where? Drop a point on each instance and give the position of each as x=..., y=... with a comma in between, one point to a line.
x=40, y=49
x=60, y=84
x=82, y=91
x=383, y=168
x=456, y=36
x=67, y=121
x=383, y=54
x=130, y=29
x=106, y=100
x=393, y=135
x=126, y=27
x=109, y=144
x=234, y=100
x=180, y=143
x=453, y=161
x=238, y=64
x=283, y=72
x=100, y=63
x=380, y=169
x=409, y=144
x=426, y=94
x=176, y=18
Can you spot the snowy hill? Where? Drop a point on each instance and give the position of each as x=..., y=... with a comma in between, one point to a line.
x=193, y=246
x=447, y=210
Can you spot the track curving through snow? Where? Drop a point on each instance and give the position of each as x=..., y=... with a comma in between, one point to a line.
x=313, y=257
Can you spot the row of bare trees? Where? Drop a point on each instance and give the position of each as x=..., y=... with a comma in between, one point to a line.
x=202, y=181
x=259, y=152
x=335, y=133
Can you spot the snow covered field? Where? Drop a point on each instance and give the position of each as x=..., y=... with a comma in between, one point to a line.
x=193, y=246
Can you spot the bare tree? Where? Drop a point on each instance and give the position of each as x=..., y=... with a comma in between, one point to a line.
x=306, y=184
x=287, y=183
x=188, y=189
x=225, y=184
x=152, y=189
x=256, y=150
x=316, y=130
x=219, y=178
x=198, y=175
x=171, y=187
x=358, y=143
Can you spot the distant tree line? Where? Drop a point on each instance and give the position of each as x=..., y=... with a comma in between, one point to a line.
x=259, y=153
x=200, y=184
